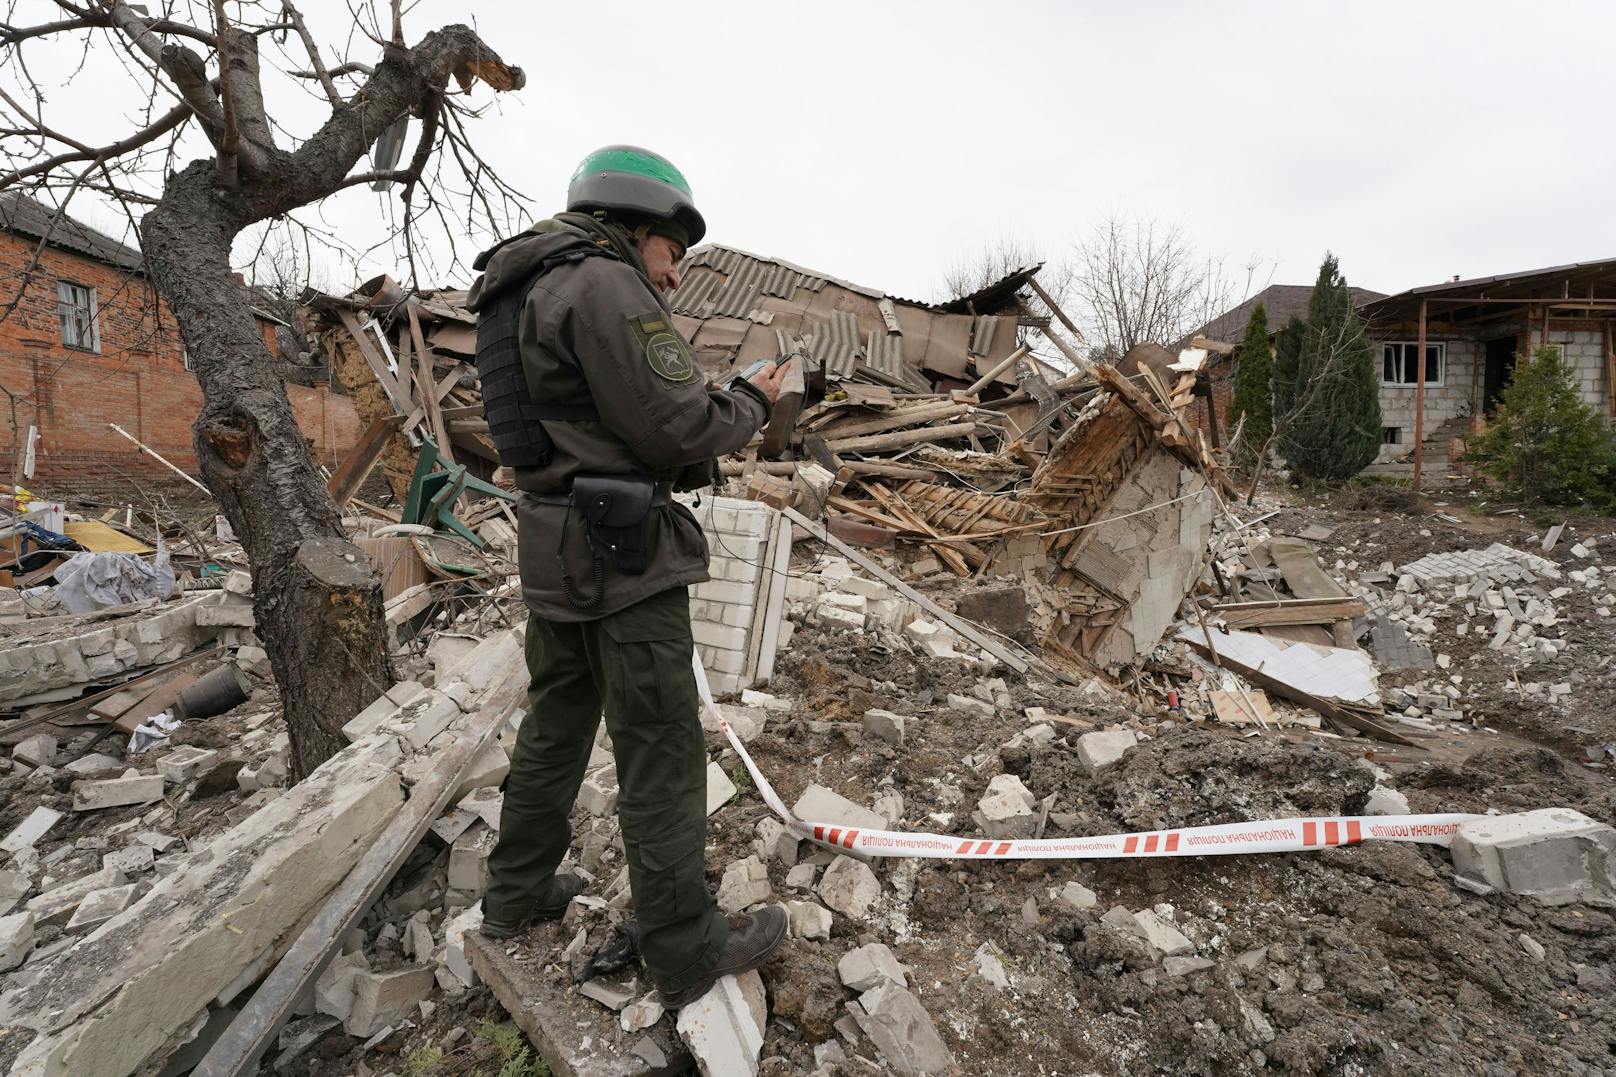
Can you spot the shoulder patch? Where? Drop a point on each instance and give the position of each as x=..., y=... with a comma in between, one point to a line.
x=666, y=352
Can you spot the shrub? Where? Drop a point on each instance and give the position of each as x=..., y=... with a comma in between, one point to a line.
x=1545, y=444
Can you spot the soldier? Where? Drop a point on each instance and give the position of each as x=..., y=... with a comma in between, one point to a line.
x=602, y=411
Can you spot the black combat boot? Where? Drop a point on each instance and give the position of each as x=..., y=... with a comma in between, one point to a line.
x=507, y=922
x=752, y=938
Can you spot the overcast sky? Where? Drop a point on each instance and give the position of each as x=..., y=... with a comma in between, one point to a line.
x=881, y=142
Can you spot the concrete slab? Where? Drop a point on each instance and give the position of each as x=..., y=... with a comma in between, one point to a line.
x=146, y=974
x=1556, y=855
x=576, y=1036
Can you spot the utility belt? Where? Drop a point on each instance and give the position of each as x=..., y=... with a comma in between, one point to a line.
x=616, y=511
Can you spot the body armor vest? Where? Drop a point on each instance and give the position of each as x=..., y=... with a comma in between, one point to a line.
x=515, y=417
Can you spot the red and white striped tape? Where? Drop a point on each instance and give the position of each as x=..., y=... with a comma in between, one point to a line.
x=1223, y=839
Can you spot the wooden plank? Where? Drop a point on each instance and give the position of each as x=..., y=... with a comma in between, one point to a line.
x=350, y=474
x=158, y=700
x=902, y=438
x=894, y=420
x=377, y=362
x=958, y=624
x=425, y=384
x=1296, y=611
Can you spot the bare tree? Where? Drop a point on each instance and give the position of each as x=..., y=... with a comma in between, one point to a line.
x=1136, y=279
x=281, y=272
x=998, y=259
x=316, y=598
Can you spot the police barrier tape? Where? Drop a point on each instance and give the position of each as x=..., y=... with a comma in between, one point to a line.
x=1223, y=839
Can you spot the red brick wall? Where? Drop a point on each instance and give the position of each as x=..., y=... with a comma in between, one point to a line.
x=137, y=380
x=1220, y=370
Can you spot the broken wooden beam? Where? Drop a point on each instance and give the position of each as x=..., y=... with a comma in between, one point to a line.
x=1290, y=611
x=903, y=438
x=958, y=624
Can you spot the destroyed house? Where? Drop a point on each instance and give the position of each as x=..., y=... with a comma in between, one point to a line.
x=85, y=342
x=736, y=308
x=1473, y=332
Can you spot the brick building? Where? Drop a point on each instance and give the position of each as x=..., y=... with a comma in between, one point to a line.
x=85, y=342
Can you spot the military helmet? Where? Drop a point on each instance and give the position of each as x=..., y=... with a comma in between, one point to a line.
x=632, y=180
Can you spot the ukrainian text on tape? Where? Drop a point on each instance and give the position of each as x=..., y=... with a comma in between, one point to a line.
x=1223, y=839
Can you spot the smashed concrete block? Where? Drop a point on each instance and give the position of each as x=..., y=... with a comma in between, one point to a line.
x=30, y=830
x=487, y=771
x=849, y=887
x=724, y=1028
x=990, y=967
x=454, y=957
x=57, y=905
x=117, y=792
x=870, y=966
x=1005, y=815
x=1384, y=801
x=970, y=705
x=821, y=805
x=598, y=793
x=641, y=1014
x=1098, y=750
x=745, y=883
x=1076, y=896
x=884, y=725
x=1556, y=855
x=833, y=616
x=468, y=860
x=613, y=996
x=99, y=906
x=186, y=762
x=150, y=971
x=902, y=1030
x=809, y=920
x=752, y=698
x=1163, y=937
x=775, y=842
x=423, y=718
x=801, y=877
x=36, y=751
x=720, y=790
x=16, y=939
x=131, y=859
x=386, y=998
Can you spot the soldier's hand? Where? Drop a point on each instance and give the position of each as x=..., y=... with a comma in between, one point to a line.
x=768, y=380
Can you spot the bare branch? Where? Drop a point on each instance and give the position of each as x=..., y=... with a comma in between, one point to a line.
x=313, y=49
x=171, y=120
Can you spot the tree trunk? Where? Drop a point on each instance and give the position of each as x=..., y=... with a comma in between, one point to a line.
x=316, y=598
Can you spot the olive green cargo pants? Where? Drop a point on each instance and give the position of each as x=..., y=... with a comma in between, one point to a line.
x=635, y=662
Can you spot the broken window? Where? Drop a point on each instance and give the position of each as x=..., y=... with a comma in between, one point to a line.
x=1391, y=435
x=75, y=309
x=1398, y=364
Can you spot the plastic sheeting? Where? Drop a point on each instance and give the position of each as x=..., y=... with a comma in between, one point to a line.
x=96, y=581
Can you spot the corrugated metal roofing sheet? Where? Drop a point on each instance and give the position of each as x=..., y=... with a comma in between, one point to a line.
x=837, y=346
x=884, y=351
x=982, y=334
x=694, y=291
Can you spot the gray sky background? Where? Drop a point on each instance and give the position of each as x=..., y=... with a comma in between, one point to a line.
x=882, y=142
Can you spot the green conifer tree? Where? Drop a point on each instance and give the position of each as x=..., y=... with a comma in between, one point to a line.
x=1545, y=443
x=1287, y=356
x=1332, y=431
x=1253, y=394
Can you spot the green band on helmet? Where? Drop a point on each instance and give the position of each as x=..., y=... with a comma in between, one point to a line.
x=636, y=164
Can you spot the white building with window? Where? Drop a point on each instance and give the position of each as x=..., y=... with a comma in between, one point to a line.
x=1474, y=330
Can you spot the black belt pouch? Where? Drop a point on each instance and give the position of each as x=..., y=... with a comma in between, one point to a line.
x=617, y=511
